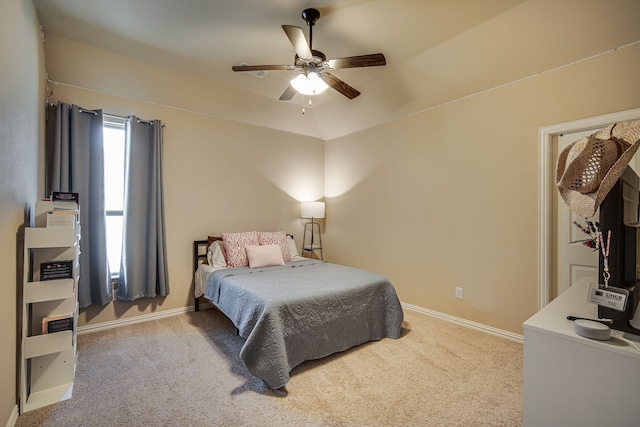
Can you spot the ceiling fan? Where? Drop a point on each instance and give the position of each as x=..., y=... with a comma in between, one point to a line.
x=313, y=65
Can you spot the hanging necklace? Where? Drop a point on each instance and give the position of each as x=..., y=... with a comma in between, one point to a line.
x=605, y=255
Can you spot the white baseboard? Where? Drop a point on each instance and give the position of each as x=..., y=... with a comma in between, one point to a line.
x=469, y=324
x=167, y=313
x=132, y=320
x=13, y=418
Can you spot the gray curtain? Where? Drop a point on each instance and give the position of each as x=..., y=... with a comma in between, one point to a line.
x=75, y=163
x=143, y=268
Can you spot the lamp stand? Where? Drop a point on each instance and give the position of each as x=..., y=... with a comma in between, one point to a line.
x=313, y=246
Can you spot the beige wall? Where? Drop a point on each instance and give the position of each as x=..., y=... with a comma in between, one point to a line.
x=21, y=129
x=435, y=200
x=448, y=198
x=218, y=175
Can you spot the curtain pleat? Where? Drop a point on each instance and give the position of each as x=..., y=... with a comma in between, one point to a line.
x=75, y=163
x=143, y=268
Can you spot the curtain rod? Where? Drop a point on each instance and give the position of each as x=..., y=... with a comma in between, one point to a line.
x=82, y=110
x=147, y=122
x=95, y=113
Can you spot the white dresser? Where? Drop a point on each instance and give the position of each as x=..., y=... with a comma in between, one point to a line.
x=574, y=381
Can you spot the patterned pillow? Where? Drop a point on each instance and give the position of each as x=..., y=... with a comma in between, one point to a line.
x=275, y=238
x=234, y=247
x=264, y=256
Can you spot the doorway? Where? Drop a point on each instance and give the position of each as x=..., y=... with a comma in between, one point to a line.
x=548, y=224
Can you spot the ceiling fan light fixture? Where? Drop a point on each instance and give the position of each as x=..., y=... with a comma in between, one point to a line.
x=309, y=84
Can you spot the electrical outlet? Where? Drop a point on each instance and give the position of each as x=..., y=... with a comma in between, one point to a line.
x=459, y=293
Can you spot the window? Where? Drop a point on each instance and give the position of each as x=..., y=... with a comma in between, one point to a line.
x=114, y=137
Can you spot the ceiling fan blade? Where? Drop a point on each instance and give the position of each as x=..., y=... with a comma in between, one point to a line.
x=262, y=67
x=339, y=85
x=299, y=42
x=288, y=93
x=372, y=60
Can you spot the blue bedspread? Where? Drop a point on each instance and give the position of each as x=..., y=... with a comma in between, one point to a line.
x=304, y=310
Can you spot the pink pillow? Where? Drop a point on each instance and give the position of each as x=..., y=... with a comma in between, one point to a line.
x=275, y=238
x=234, y=247
x=264, y=256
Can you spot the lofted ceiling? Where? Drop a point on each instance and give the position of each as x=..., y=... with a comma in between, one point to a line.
x=437, y=51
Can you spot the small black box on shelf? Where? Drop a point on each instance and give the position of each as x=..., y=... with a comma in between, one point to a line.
x=53, y=270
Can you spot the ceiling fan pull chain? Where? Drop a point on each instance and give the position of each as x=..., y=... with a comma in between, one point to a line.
x=310, y=104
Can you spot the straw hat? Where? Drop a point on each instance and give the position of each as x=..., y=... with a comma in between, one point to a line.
x=588, y=168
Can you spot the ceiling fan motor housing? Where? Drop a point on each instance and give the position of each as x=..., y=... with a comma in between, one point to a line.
x=310, y=16
x=318, y=58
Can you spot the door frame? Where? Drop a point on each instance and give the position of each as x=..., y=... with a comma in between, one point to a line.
x=546, y=187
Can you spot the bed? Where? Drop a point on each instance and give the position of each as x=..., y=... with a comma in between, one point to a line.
x=297, y=310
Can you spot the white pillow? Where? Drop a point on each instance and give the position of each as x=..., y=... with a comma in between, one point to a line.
x=215, y=255
x=293, y=250
x=264, y=255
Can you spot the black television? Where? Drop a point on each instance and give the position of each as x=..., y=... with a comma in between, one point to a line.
x=619, y=213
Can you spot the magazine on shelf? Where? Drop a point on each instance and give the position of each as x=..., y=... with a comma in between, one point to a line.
x=53, y=270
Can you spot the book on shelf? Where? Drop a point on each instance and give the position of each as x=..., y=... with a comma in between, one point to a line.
x=54, y=270
x=62, y=217
x=65, y=211
x=60, y=221
x=57, y=324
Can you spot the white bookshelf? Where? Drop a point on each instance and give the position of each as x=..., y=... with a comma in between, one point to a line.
x=48, y=360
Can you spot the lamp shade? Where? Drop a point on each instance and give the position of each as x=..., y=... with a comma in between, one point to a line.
x=312, y=210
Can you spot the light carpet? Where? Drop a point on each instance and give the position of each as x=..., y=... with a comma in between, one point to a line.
x=185, y=370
